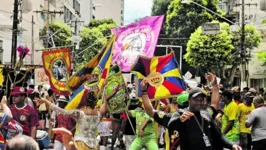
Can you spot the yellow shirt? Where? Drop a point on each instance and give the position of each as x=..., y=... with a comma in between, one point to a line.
x=231, y=113
x=243, y=113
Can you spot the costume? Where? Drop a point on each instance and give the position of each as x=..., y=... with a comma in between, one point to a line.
x=149, y=138
x=3, y=124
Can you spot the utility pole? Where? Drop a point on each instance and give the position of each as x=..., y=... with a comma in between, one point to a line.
x=47, y=22
x=32, y=40
x=75, y=39
x=48, y=12
x=14, y=34
x=242, y=48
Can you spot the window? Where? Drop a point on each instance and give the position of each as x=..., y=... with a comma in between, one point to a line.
x=93, y=17
x=77, y=7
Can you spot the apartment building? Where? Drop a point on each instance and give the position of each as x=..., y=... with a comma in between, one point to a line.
x=256, y=73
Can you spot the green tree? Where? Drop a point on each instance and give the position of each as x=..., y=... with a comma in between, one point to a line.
x=160, y=7
x=95, y=23
x=92, y=42
x=262, y=57
x=62, y=38
x=184, y=19
x=215, y=52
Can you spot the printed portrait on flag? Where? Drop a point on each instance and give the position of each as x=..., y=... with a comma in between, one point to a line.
x=57, y=66
x=120, y=101
x=136, y=39
x=164, y=77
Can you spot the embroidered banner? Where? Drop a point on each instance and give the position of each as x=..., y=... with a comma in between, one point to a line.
x=57, y=66
x=136, y=39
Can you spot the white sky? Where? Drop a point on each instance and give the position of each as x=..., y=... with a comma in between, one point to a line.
x=135, y=9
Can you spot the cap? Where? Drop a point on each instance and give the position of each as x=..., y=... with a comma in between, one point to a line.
x=194, y=92
x=62, y=99
x=252, y=90
x=18, y=90
x=182, y=98
x=249, y=95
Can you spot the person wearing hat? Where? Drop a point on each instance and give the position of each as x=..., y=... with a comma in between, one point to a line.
x=85, y=136
x=257, y=122
x=25, y=118
x=244, y=110
x=195, y=124
x=230, y=123
x=62, y=122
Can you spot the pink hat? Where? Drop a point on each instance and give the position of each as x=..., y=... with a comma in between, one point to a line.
x=18, y=90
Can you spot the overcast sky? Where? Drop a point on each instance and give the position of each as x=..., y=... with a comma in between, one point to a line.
x=135, y=9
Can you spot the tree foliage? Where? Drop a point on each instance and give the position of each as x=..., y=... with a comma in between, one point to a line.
x=210, y=51
x=184, y=19
x=92, y=42
x=96, y=23
x=62, y=38
x=215, y=52
x=262, y=57
x=160, y=7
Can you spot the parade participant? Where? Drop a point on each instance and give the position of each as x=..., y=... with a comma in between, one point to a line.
x=195, y=125
x=85, y=136
x=67, y=138
x=230, y=123
x=5, y=117
x=257, y=122
x=104, y=130
x=22, y=142
x=244, y=109
x=25, y=118
x=145, y=130
x=62, y=122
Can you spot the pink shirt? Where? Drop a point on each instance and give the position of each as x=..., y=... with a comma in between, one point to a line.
x=23, y=119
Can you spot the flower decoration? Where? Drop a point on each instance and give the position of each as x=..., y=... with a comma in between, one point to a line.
x=23, y=51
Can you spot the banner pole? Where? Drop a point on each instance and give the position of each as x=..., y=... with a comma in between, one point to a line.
x=131, y=124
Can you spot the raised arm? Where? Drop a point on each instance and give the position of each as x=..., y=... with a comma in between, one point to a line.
x=5, y=108
x=58, y=110
x=215, y=90
x=146, y=101
x=103, y=108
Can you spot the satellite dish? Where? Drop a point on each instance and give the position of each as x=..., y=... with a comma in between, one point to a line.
x=26, y=6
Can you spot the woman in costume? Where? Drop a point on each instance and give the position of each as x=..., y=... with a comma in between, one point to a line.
x=87, y=120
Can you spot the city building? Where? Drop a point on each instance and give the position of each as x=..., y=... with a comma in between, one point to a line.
x=32, y=18
x=256, y=73
x=103, y=9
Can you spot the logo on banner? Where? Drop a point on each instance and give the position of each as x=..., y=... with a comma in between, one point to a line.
x=155, y=79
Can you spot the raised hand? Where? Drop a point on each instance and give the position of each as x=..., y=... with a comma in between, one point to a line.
x=211, y=78
x=3, y=101
x=144, y=83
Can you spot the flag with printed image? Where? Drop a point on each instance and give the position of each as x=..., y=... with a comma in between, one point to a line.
x=136, y=39
x=120, y=101
x=57, y=66
x=91, y=77
x=164, y=77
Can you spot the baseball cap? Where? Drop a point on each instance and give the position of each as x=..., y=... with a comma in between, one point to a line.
x=249, y=95
x=194, y=92
x=182, y=98
x=18, y=90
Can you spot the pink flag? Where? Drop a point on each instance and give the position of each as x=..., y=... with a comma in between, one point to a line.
x=136, y=39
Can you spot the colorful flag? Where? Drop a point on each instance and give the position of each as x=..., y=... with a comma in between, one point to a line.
x=57, y=66
x=136, y=39
x=99, y=66
x=163, y=76
x=90, y=77
x=120, y=101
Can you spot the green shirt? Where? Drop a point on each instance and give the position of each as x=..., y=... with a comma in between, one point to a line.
x=141, y=116
x=231, y=113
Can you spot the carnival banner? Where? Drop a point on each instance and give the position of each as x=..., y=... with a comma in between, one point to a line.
x=57, y=66
x=163, y=76
x=91, y=77
x=40, y=77
x=136, y=39
x=99, y=66
x=120, y=101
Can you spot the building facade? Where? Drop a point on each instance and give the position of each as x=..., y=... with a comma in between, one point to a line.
x=256, y=73
x=103, y=9
x=32, y=18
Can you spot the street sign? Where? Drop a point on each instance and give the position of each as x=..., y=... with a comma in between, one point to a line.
x=211, y=28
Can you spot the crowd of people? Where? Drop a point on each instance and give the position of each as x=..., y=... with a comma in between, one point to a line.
x=200, y=118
